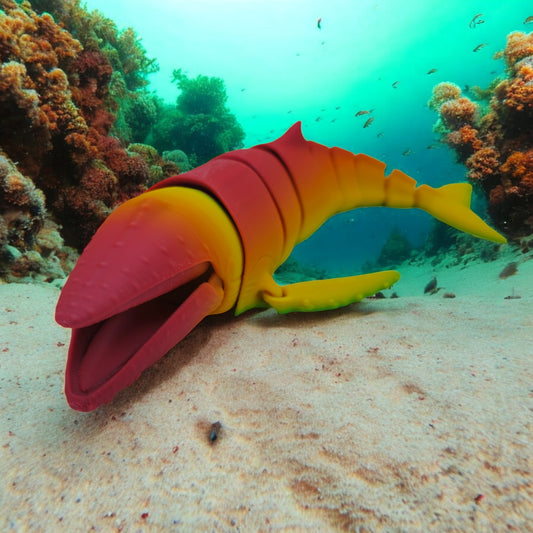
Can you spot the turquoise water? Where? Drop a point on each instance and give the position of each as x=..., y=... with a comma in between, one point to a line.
x=279, y=67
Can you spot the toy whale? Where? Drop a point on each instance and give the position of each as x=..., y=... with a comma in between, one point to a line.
x=209, y=240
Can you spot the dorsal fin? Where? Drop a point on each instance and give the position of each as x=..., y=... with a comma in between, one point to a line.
x=292, y=136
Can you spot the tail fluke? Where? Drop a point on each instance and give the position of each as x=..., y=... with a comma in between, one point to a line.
x=451, y=204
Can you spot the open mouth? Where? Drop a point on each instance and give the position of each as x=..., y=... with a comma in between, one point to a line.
x=107, y=356
x=150, y=274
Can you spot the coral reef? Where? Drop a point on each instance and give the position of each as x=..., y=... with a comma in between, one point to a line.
x=493, y=137
x=179, y=158
x=57, y=112
x=74, y=108
x=22, y=206
x=30, y=244
x=158, y=167
x=444, y=92
x=458, y=112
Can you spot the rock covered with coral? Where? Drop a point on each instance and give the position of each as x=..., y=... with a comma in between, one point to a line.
x=61, y=165
x=493, y=136
x=30, y=244
x=76, y=124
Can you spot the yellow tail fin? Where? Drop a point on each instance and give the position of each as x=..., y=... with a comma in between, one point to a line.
x=451, y=205
x=459, y=193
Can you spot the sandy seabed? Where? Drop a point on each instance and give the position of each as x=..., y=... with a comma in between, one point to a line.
x=409, y=414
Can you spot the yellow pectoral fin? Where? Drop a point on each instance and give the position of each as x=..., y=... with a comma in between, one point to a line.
x=325, y=294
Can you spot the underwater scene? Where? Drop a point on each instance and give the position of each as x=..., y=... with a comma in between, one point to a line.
x=266, y=265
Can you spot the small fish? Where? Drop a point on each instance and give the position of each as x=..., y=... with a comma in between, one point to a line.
x=510, y=270
x=395, y=84
x=407, y=152
x=431, y=287
x=430, y=147
x=431, y=71
x=475, y=20
x=337, y=108
x=319, y=23
x=318, y=119
x=479, y=47
x=380, y=134
x=368, y=122
x=333, y=119
x=363, y=112
x=529, y=19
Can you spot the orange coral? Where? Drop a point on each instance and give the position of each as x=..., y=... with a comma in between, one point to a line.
x=81, y=149
x=33, y=87
x=16, y=85
x=442, y=93
x=527, y=184
x=483, y=163
x=55, y=116
x=90, y=87
x=458, y=112
x=519, y=164
x=32, y=40
x=497, y=195
x=465, y=141
x=524, y=69
x=519, y=91
x=519, y=45
x=24, y=131
x=497, y=147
